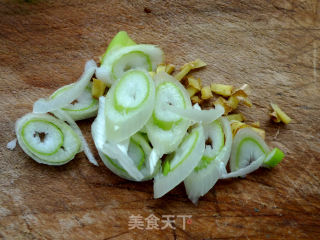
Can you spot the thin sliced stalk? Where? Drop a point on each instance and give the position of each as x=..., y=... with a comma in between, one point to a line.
x=48, y=105
x=166, y=136
x=46, y=139
x=142, y=56
x=128, y=108
x=199, y=182
x=65, y=117
x=83, y=107
x=181, y=163
x=205, y=116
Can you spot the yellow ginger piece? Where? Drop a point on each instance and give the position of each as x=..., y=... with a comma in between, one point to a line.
x=278, y=115
x=192, y=91
x=236, y=117
x=195, y=83
x=170, y=68
x=236, y=126
x=161, y=68
x=222, y=89
x=206, y=93
x=196, y=99
x=98, y=88
x=224, y=103
x=188, y=67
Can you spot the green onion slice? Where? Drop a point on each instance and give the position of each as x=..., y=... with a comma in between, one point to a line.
x=47, y=139
x=121, y=40
x=178, y=165
x=166, y=129
x=118, y=62
x=69, y=95
x=207, y=172
x=128, y=105
x=83, y=107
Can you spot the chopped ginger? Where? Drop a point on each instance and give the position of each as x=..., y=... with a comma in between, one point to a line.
x=255, y=124
x=278, y=115
x=192, y=91
x=222, y=89
x=98, y=88
x=206, y=93
x=195, y=83
x=236, y=126
x=236, y=116
x=196, y=99
x=233, y=102
x=188, y=67
x=224, y=103
x=161, y=68
x=170, y=68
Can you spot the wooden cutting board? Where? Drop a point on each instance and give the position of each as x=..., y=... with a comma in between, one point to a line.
x=272, y=45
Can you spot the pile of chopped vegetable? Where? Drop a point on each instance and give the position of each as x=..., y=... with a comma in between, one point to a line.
x=149, y=122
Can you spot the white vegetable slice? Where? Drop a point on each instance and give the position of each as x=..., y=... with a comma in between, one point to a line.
x=207, y=172
x=68, y=96
x=181, y=163
x=271, y=159
x=120, y=40
x=166, y=129
x=253, y=166
x=205, y=116
x=142, y=56
x=247, y=147
x=128, y=105
x=65, y=117
x=83, y=107
x=47, y=139
x=124, y=159
x=12, y=144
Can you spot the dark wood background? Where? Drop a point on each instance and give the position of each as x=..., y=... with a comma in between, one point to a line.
x=272, y=45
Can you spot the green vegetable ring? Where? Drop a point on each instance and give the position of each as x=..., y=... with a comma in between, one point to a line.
x=47, y=139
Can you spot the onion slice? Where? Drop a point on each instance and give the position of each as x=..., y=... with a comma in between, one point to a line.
x=166, y=129
x=247, y=147
x=48, y=105
x=83, y=107
x=65, y=117
x=242, y=172
x=205, y=116
x=180, y=164
x=46, y=139
x=128, y=105
x=202, y=179
x=117, y=156
x=143, y=56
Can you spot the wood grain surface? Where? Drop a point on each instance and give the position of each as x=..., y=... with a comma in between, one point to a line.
x=272, y=45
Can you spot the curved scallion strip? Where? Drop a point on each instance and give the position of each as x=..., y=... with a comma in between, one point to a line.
x=128, y=105
x=205, y=116
x=178, y=165
x=250, y=152
x=68, y=96
x=65, y=117
x=120, y=40
x=83, y=107
x=126, y=159
x=47, y=139
x=118, y=62
x=273, y=158
x=247, y=147
x=207, y=173
x=166, y=129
